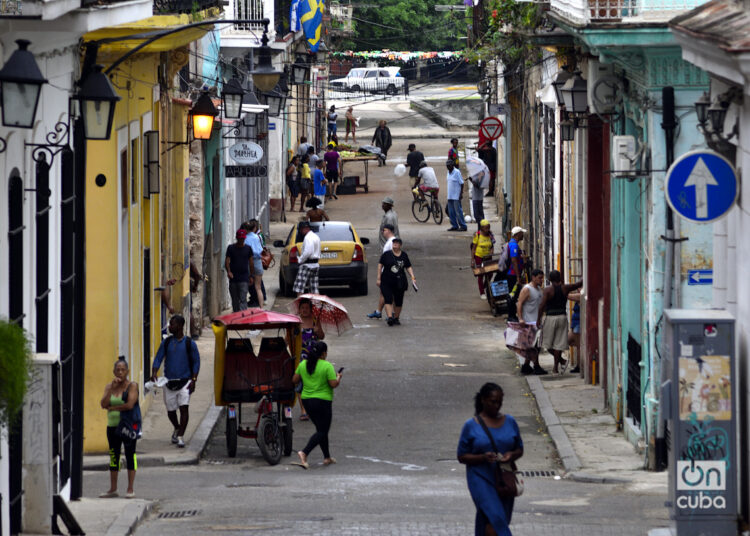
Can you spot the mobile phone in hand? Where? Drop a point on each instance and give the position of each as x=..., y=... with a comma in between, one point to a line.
x=414, y=286
x=341, y=370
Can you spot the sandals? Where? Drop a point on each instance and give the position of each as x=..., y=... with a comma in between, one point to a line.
x=108, y=495
x=304, y=417
x=329, y=461
x=301, y=463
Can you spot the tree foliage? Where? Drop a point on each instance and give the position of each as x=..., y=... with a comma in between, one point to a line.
x=15, y=362
x=405, y=25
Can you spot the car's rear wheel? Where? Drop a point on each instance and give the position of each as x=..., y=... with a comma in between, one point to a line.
x=391, y=89
x=355, y=88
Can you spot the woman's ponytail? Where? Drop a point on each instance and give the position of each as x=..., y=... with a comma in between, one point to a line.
x=316, y=351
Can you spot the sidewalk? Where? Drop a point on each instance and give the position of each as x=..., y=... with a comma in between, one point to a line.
x=156, y=448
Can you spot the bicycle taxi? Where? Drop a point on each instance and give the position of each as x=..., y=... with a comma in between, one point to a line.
x=242, y=376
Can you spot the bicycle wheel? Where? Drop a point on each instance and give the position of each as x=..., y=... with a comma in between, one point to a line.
x=269, y=440
x=420, y=210
x=437, y=211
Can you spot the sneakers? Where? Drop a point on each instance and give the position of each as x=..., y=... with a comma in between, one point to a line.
x=181, y=443
x=375, y=314
x=526, y=369
x=575, y=370
x=452, y=229
x=390, y=320
x=539, y=371
x=396, y=321
x=174, y=436
x=483, y=296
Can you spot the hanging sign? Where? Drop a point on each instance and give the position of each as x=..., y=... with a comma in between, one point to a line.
x=246, y=152
x=491, y=128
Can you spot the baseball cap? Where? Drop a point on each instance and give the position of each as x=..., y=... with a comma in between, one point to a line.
x=484, y=223
x=517, y=230
x=388, y=200
x=242, y=234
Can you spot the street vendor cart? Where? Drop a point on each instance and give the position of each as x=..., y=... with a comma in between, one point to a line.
x=243, y=376
x=366, y=159
x=495, y=285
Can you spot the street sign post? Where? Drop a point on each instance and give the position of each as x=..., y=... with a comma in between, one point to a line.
x=491, y=128
x=700, y=277
x=701, y=186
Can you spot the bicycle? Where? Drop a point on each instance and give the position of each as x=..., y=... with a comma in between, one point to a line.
x=423, y=208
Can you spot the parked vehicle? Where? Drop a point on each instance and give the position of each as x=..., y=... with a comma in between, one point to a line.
x=376, y=80
x=342, y=256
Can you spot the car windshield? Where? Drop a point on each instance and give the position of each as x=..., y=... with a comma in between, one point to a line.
x=356, y=72
x=332, y=231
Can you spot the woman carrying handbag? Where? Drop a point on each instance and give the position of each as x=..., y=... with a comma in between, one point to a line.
x=490, y=442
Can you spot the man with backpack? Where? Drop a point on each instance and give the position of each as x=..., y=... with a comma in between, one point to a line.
x=181, y=366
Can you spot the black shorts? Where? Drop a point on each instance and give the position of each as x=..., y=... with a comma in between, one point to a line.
x=332, y=175
x=391, y=294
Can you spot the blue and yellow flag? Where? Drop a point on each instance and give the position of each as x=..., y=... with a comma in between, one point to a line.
x=310, y=15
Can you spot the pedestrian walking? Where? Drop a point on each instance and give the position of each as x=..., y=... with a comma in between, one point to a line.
x=514, y=270
x=332, y=116
x=555, y=326
x=529, y=302
x=574, y=336
x=331, y=159
x=482, y=247
x=393, y=268
x=305, y=181
x=303, y=146
x=413, y=159
x=389, y=218
x=389, y=234
x=319, y=379
x=252, y=240
x=182, y=363
x=479, y=182
x=313, y=157
x=488, y=439
x=488, y=155
x=311, y=332
x=453, y=151
x=382, y=138
x=120, y=396
x=455, y=188
x=351, y=125
x=307, y=274
x=319, y=182
x=292, y=180
x=237, y=262
x=315, y=213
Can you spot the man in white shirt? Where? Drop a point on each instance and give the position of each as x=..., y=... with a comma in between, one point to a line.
x=389, y=235
x=428, y=180
x=308, y=261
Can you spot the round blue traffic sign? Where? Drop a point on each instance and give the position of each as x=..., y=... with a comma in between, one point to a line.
x=701, y=186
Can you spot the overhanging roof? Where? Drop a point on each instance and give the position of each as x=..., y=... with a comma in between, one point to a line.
x=725, y=23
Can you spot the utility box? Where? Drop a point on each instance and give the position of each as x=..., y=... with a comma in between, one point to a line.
x=698, y=401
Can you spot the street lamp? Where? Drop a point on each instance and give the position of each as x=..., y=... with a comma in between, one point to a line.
x=21, y=83
x=321, y=55
x=300, y=67
x=701, y=108
x=562, y=77
x=574, y=94
x=567, y=130
x=276, y=101
x=717, y=113
x=98, y=99
x=231, y=99
x=202, y=115
x=265, y=77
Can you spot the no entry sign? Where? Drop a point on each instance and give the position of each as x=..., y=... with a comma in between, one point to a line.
x=491, y=128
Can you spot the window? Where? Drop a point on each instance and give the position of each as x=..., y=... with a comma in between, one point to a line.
x=124, y=182
x=371, y=74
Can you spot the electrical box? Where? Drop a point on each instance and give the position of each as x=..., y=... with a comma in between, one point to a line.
x=623, y=155
x=698, y=402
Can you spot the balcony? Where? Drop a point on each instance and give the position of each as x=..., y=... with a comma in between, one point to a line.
x=96, y=13
x=174, y=7
x=597, y=12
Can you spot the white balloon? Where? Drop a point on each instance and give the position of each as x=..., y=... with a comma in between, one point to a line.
x=467, y=218
x=400, y=170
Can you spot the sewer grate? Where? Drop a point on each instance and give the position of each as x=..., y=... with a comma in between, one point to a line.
x=539, y=474
x=179, y=514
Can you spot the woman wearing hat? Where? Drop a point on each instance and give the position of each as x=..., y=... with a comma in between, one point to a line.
x=482, y=246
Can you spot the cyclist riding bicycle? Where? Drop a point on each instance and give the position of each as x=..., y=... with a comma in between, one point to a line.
x=426, y=181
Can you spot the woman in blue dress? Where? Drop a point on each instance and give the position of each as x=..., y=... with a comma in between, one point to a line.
x=476, y=452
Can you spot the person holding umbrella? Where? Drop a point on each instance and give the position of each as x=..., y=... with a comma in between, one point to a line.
x=392, y=269
x=311, y=332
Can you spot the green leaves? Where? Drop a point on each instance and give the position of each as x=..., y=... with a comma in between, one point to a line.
x=15, y=362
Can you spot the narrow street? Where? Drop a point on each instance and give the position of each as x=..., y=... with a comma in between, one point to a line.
x=405, y=394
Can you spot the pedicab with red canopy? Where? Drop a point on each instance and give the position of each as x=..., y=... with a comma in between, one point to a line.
x=243, y=376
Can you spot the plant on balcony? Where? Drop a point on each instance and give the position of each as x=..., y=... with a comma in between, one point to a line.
x=508, y=24
x=15, y=369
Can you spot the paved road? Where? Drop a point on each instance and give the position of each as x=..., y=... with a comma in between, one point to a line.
x=406, y=392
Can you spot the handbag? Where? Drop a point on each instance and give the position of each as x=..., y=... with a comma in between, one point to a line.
x=129, y=427
x=266, y=258
x=508, y=480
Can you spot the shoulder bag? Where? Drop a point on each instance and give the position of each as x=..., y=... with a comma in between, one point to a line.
x=508, y=481
x=129, y=427
x=266, y=258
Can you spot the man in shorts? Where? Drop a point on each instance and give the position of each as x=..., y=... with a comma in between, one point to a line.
x=427, y=181
x=331, y=158
x=308, y=261
x=182, y=362
x=555, y=328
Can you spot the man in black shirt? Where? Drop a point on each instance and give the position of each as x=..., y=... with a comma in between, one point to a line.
x=238, y=264
x=413, y=159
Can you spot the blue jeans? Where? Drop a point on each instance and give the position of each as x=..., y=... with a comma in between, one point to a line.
x=456, y=214
x=332, y=128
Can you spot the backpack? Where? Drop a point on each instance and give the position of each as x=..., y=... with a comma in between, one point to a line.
x=176, y=385
x=503, y=263
x=130, y=426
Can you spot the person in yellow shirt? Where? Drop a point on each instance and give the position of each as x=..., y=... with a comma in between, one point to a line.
x=482, y=246
x=305, y=181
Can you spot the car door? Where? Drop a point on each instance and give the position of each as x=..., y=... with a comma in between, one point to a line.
x=370, y=80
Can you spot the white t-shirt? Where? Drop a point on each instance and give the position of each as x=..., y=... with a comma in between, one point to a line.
x=332, y=116
x=388, y=244
x=302, y=149
x=427, y=174
x=310, y=247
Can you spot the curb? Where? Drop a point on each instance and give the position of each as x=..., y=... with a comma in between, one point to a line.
x=128, y=520
x=596, y=479
x=568, y=455
x=444, y=120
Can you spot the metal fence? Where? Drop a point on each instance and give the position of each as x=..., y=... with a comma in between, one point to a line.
x=386, y=89
x=619, y=10
x=248, y=9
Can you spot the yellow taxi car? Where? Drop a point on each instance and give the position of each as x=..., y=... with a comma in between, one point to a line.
x=342, y=256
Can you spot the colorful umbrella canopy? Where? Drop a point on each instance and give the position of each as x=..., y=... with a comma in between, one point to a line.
x=256, y=319
x=330, y=313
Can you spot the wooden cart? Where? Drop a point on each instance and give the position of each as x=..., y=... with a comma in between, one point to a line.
x=364, y=158
x=496, y=289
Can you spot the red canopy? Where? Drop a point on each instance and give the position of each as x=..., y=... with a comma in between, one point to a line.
x=256, y=319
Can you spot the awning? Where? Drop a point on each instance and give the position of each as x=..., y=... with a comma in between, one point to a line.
x=256, y=319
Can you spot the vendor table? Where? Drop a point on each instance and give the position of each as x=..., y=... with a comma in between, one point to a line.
x=364, y=158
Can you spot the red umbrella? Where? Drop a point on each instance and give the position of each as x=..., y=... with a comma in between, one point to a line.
x=256, y=319
x=330, y=313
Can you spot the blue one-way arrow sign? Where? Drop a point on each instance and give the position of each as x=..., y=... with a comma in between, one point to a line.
x=701, y=186
x=700, y=277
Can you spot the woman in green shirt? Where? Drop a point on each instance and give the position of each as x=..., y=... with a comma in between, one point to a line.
x=318, y=382
x=119, y=395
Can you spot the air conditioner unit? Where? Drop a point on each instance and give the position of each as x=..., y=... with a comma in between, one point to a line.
x=623, y=155
x=601, y=89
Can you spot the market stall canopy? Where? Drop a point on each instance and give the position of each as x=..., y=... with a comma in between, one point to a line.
x=255, y=319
